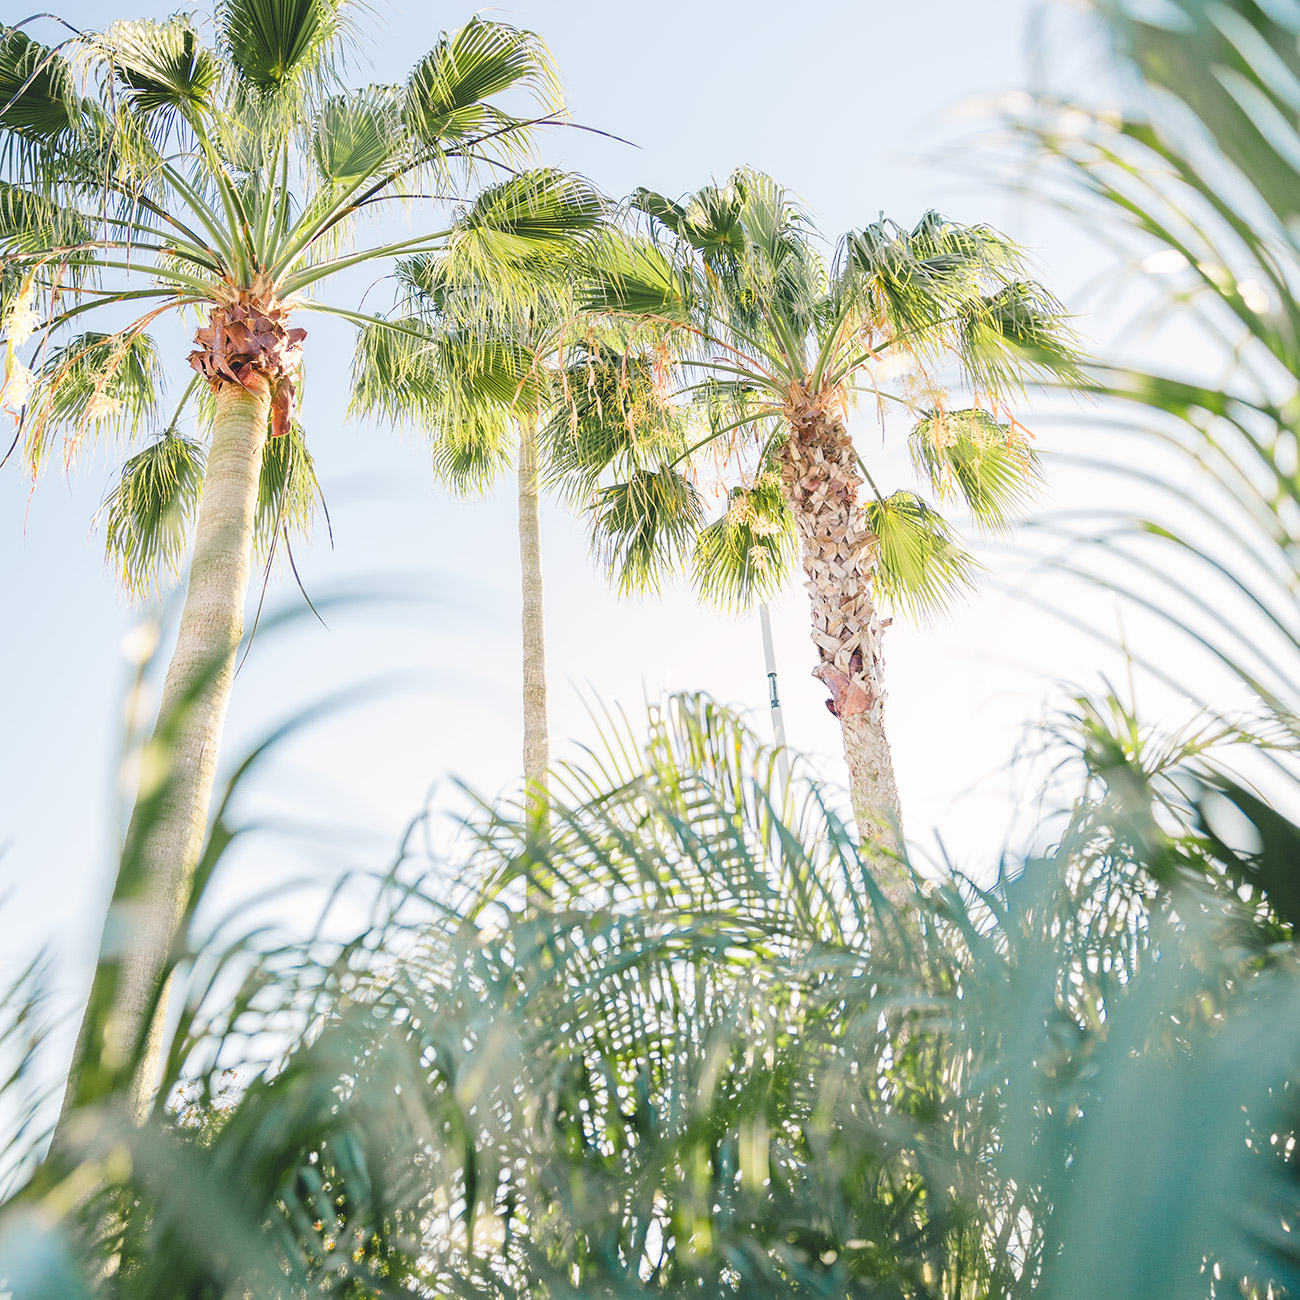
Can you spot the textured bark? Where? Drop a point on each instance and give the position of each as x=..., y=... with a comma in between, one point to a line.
x=537, y=756
x=164, y=849
x=821, y=481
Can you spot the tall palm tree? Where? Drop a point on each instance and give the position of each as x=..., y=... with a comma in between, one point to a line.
x=476, y=367
x=147, y=171
x=771, y=346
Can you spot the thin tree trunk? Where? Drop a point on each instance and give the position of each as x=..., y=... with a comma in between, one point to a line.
x=822, y=483
x=537, y=755
x=164, y=840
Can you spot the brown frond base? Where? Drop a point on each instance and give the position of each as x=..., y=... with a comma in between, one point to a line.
x=247, y=342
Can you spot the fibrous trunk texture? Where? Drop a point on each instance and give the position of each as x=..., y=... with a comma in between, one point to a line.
x=164, y=840
x=821, y=483
x=537, y=755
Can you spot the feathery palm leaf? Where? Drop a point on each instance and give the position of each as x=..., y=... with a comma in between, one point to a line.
x=712, y=1065
x=1209, y=549
x=150, y=511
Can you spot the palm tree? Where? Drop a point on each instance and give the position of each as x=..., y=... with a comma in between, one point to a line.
x=146, y=170
x=475, y=366
x=770, y=346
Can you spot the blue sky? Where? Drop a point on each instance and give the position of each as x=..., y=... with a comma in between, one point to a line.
x=846, y=103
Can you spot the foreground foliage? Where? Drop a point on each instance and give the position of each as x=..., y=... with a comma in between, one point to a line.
x=716, y=1061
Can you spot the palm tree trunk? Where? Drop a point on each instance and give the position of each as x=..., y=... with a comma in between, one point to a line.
x=537, y=756
x=127, y=1009
x=822, y=482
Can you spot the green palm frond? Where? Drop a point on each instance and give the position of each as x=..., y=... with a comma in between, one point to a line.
x=920, y=566
x=395, y=373
x=471, y=454
x=745, y=555
x=630, y=276
x=612, y=415
x=992, y=466
x=460, y=389
x=444, y=100
x=357, y=135
x=38, y=91
x=95, y=382
x=532, y=221
x=1017, y=335
x=710, y=223
x=280, y=45
x=1246, y=103
x=30, y=222
x=149, y=513
x=752, y=240
x=644, y=528
x=780, y=272
x=161, y=66
x=917, y=283
x=287, y=489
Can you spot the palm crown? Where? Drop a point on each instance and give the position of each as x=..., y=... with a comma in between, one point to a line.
x=234, y=179
x=747, y=347
x=478, y=367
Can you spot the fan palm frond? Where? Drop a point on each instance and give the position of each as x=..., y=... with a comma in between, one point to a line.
x=631, y=277
x=150, y=512
x=991, y=465
x=95, y=382
x=612, y=415
x=1016, y=335
x=644, y=527
x=358, y=135
x=746, y=554
x=38, y=90
x=920, y=566
x=534, y=220
x=287, y=490
x=161, y=66
x=445, y=96
x=282, y=45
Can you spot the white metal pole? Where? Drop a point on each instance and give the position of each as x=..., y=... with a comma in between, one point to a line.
x=774, y=699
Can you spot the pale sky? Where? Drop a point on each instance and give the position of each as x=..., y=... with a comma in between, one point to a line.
x=847, y=104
